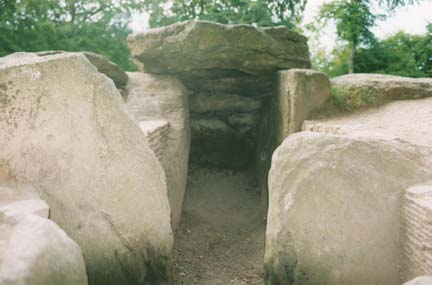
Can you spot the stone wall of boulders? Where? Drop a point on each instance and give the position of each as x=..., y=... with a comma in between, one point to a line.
x=230, y=70
x=108, y=151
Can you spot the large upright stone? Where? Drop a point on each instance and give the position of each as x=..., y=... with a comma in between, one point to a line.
x=335, y=207
x=299, y=92
x=157, y=97
x=63, y=128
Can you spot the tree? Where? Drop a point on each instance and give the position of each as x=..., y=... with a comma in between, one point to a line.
x=354, y=19
x=94, y=25
x=401, y=54
x=257, y=12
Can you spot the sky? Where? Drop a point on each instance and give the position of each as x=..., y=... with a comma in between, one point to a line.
x=411, y=19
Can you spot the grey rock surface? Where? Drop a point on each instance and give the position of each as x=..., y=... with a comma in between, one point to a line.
x=65, y=130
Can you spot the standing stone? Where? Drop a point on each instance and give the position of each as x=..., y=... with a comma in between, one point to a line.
x=334, y=208
x=63, y=128
x=299, y=92
x=157, y=97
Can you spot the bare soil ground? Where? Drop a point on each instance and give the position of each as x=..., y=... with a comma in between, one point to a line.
x=220, y=239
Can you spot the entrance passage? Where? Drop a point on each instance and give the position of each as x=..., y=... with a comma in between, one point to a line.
x=220, y=239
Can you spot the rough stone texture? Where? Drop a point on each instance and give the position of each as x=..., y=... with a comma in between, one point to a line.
x=12, y=191
x=385, y=87
x=421, y=280
x=153, y=97
x=416, y=232
x=64, y=130
x=202, y=103
x=299, y=92
x=334, y=211
x=38, y=252
x=408, y=120
x=223, y=129
x=156, y=132
x=229, y=69
x=195, y=45
x=23, y=208
x=217, y=144
x=103, y=65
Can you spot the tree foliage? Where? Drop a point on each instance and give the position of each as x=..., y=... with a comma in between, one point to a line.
x=93, y=25
x=354, y=20
x=401, y=54
x=257, y=12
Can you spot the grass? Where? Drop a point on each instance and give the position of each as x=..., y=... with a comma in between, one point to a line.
x=352, y=98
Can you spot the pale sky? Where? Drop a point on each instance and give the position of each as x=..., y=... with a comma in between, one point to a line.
x=411, y=19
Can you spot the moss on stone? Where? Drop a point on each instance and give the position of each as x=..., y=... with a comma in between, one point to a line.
x=354, y=97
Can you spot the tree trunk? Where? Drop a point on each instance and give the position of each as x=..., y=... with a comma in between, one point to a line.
x=351, y=58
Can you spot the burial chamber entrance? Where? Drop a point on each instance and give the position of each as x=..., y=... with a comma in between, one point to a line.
x=220, y=238
x=230, y=72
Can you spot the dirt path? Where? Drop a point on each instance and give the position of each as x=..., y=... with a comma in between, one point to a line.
x=221, y=236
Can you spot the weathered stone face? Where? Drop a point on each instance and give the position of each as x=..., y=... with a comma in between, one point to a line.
x=416, y=232
x=161, y=97
x=103, y=65
x=362, y=90
x=196, y=45
x=335, y=208
x=33, y=249
x=298, y=93
x=64, y=129
x=229, y=69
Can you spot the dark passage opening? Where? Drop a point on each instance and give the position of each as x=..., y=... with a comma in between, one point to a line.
x=220, y=239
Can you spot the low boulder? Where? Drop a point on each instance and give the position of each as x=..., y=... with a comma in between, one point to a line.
x=358, y=90
x=334, y=208
x=421, y=280
x=38, y=252
x=33, y=249
x=65, y=130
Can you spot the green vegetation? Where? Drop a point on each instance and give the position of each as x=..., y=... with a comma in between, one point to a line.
x=101, y=26
x=72, y=25
x=354, y=20
x=258, y=12
x=349, y=99
x=401, y=54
